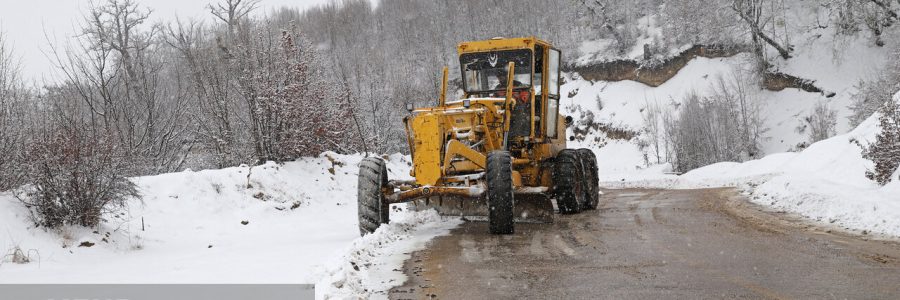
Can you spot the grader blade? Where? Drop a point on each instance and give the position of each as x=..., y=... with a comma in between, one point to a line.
x=527, y=208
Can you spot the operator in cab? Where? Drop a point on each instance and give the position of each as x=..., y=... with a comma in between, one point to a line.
x=521, y=113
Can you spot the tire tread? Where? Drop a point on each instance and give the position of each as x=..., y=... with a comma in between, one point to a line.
x=372, y=207
x=500, y=196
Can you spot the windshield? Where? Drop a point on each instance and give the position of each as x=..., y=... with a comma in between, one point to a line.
x=486, y=71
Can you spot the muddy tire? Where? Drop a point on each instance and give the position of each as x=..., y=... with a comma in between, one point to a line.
x=500, y=196
x=568, y=182
x=372, y=207
x=591, y=178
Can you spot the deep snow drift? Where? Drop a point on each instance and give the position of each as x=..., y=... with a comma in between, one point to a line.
x=290, y=223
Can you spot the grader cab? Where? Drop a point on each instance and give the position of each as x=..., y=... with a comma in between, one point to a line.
x=499, y=152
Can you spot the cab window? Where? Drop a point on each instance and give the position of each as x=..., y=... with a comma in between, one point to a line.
x=486, y=71
x=553, y=72
x=553, y=93
x=538, y=69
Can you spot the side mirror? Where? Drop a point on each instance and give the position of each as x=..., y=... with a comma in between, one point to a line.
x=410, y=107
x=467, y=103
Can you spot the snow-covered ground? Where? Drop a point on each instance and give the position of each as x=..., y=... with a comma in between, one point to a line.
x=622, y=103
x=289, y=223
x=296, y=222
x=835, y=63
x=825, y=182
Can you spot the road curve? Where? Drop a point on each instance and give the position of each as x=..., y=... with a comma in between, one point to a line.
x=656, y=244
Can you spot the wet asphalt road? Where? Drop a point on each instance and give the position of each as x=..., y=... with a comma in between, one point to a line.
x=656, y=244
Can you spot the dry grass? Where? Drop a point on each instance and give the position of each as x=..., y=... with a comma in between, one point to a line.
x=18, y=256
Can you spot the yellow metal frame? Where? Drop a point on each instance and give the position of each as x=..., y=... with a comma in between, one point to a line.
x=456, y=148
x=499, y=44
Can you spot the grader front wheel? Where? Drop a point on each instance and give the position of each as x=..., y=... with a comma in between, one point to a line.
x=373, y=209
x=500, y=192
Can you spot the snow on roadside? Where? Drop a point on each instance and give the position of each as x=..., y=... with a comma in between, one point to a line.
x=826, y=182
x=285, y=223
x=372, y=264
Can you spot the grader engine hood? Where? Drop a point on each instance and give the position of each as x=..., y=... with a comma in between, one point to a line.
x=428, y=139
x=448, y=142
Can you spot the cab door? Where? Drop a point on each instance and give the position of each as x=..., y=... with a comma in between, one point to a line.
x=550, y=93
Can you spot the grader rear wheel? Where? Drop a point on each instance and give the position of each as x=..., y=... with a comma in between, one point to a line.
x=500, y=196
x=372, y=209
x=569, y=182
x=591, y=178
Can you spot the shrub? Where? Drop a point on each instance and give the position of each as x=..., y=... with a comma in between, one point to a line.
x=820, y=124
x=871, y=96
x=885, y=152
x=722, y=127
x=74, y=178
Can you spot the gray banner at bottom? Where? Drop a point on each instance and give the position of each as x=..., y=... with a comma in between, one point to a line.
x=156, y=291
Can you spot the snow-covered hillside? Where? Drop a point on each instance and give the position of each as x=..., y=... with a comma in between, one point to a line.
x=289, y=223
x=622, y=103
x=825, y=182
x=835, y=63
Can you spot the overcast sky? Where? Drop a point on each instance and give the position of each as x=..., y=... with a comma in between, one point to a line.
x=24, y=23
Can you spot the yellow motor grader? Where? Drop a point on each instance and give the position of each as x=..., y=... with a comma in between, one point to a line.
x=498, y=152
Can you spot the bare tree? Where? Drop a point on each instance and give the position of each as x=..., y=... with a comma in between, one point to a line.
x=734, y=92
x=820, y=123
x=700, y=22
x=725, y=126
x=654, y=129
x=216, y=113
x=756, y=17
x=293, y=107
x=851, y=15
x=886, y=6
x=231, y=12
x=118, y=67
x=16, y=114
x=608, y=16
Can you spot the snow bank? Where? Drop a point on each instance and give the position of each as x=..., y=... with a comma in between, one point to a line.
x=827, y=182
x=371, y=266
x=274, y=223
